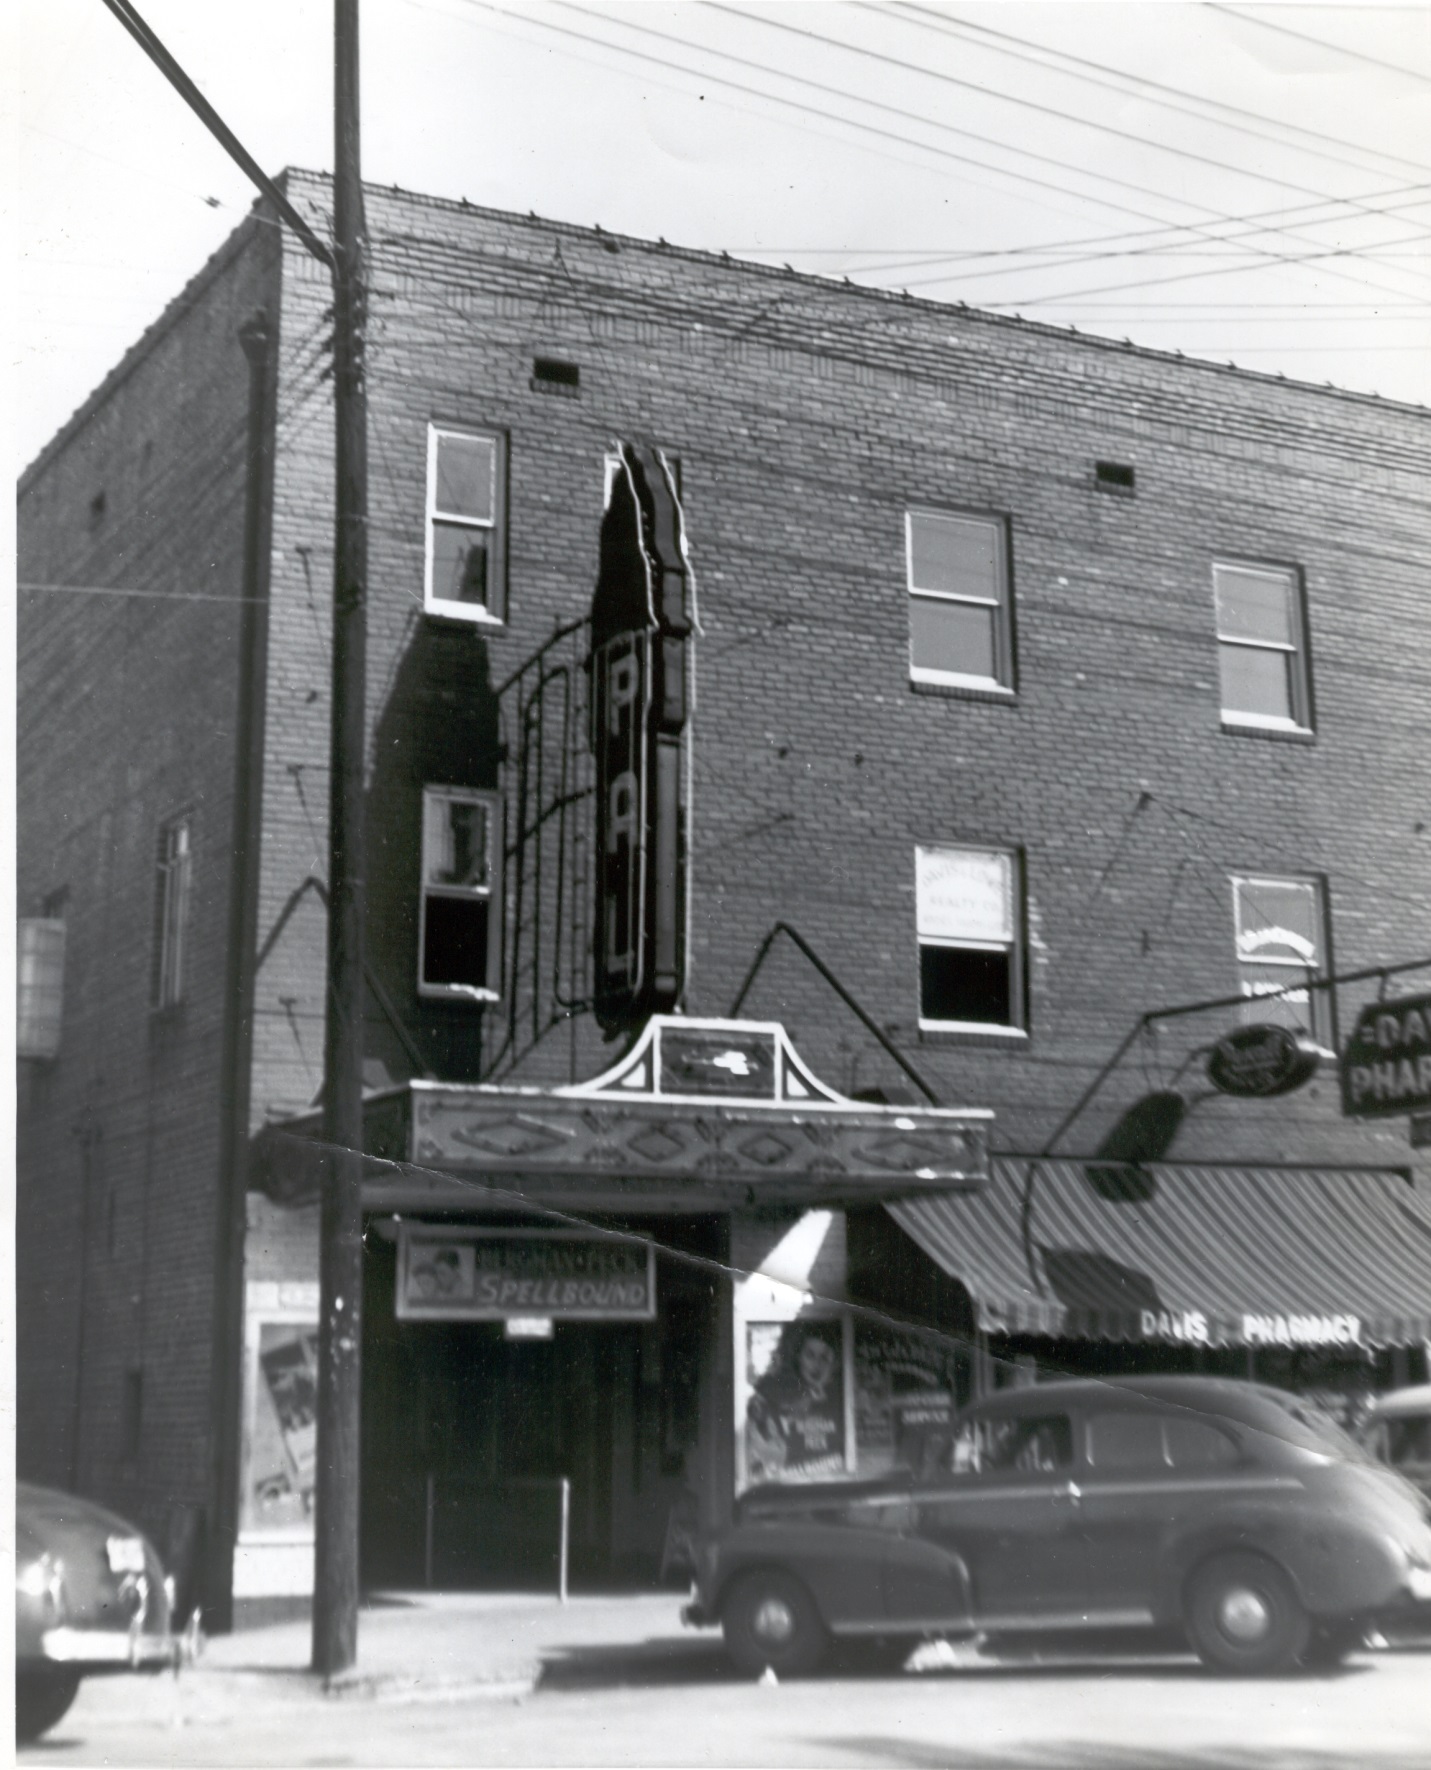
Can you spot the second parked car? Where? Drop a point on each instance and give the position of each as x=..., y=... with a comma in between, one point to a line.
x=1234, y=1512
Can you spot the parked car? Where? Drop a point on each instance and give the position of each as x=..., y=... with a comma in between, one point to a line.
x=90, y=1596
x=1397, y=1429
x=1234, y=1513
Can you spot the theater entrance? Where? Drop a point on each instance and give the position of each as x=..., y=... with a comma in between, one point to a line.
x=468, y=1435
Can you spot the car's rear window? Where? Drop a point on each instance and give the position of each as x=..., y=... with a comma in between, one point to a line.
x=1299, y=1422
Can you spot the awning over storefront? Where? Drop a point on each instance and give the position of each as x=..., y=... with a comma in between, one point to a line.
x=1189, y=1255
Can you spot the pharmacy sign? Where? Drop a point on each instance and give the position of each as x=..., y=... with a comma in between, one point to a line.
x=1386, y=1067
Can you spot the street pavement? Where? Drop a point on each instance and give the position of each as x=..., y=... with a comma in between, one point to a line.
x=497, y=1680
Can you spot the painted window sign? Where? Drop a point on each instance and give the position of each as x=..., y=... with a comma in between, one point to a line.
x=282, y=1443
x=796, y=1424
x=970, y=950
x=495, y=1275
x=1281, y=941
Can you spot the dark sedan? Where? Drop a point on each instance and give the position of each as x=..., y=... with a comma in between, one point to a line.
x=1233, y=1512
x=90, y=1596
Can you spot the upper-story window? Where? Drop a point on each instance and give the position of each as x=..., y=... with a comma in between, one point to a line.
x=1281, y=935
x=1262, y=647
x=40, y=986
x=969, y=923
x=466, y=519
x=171, y=913
x=960, y=619
x=459, y=932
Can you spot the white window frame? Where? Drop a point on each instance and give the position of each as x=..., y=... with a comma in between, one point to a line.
x=491, y=894
x=492, y=613
x=1002, y=681
x=1015, y=1029
x=1295, y=649
x=171, y=920
x=1319, y=1004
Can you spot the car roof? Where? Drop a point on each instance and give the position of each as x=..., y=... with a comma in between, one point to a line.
x=1210, y=1394
x=1402, y=1403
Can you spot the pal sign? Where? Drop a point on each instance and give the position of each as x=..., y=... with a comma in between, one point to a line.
x=642, y=639
x=1386, y=1067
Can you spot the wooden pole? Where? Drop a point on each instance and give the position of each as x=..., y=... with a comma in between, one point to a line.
x=335, y=1590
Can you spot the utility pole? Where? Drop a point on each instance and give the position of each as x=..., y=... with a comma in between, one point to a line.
x=335, y=1589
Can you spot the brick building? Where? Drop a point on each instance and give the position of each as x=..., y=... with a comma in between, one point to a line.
x=1041, y=684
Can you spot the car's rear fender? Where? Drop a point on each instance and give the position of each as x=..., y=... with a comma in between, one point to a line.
x=1336, y=1568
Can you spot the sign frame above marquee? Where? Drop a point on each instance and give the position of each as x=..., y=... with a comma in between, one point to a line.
x=710, y=1104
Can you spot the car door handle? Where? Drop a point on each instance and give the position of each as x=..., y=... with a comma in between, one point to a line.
x=1071, y=1492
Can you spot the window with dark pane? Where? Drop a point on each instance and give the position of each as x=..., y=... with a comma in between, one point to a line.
x=959, y=627
x=970, y=940
x=465, y=500
x=459, y=935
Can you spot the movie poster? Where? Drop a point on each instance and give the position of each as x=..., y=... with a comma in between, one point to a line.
x=283, y=1431
x=795, y=1421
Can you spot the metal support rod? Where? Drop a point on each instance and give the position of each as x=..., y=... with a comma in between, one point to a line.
x=564, y=1546
x=889, y=1047
x=335, y=1568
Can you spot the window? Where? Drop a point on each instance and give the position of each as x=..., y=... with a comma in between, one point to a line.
x=1261, y=649
x=960, y=631
x=459, y=933
x=466, y=501
x=970, y=962
x=40, y=986
x=1022, y=1446
x=1125, y=1441
x=1280, y=931
x=171, y=913
x=1154, y=1441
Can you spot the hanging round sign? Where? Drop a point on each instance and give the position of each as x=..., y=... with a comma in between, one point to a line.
x=1256, y=1061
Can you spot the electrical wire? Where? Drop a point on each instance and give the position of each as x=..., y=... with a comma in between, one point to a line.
x=1250, y=18
x=931, y=21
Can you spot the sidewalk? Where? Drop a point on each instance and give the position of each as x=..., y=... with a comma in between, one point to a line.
x=412, y=1647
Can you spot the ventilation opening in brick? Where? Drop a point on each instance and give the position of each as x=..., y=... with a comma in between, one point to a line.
x=555, y=372
x=1114, y=476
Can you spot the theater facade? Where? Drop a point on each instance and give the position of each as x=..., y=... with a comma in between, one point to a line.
x=883, y=822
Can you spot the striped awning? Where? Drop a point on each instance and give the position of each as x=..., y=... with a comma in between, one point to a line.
x=1187, y=1255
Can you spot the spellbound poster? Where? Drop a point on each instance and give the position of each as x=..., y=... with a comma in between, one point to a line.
x=796, y=1427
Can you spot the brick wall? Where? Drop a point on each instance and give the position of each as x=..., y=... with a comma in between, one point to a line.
x=127, y=708
x=807, y=416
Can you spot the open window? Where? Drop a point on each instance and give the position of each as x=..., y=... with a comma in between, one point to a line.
x=459, y=923
x=969, y=920
x=465, y=574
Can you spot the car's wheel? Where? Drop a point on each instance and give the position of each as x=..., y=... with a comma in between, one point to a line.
x=43, y=1694
x=1243, y=1615
x=770, y=1620
x=1331, y=1643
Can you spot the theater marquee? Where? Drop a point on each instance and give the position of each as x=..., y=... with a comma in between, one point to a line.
x=472, y=1274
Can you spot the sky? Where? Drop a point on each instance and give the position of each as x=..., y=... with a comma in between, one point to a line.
x=1242, y=183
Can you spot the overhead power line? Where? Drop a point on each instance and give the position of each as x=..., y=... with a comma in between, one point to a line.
x=196, y=101
x=946, y=79
x=1042, y=55
x=847, y=121
x=1374, y=61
